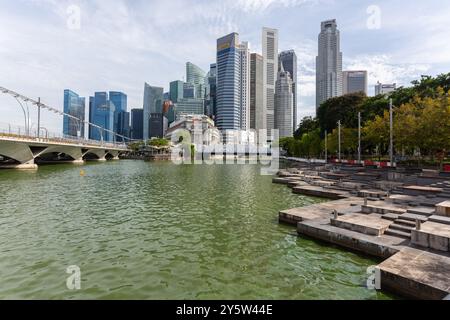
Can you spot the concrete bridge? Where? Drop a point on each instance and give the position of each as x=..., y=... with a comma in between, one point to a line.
x=24, y=152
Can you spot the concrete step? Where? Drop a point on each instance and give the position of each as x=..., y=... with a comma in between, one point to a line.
x=424, y=211
x=413, y=217
x=390, y=216
x=407, y=223
x=400, y=227
x=397, y=233
x=440, y=219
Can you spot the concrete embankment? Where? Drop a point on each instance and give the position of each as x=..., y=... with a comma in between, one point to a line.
x=385, y=216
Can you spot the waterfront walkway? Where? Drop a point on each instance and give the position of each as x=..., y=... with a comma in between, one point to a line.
x=402, y=217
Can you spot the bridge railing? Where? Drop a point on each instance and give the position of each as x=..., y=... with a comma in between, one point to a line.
x=15, y=132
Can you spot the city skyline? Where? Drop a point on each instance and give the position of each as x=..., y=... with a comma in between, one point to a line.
x=38, y=68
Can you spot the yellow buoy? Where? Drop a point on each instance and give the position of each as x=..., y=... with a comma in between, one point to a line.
x=82, y=173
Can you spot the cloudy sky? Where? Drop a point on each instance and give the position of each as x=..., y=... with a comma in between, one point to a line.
x=119, y=45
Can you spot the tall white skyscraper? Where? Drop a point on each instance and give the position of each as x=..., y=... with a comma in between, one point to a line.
x=284, y=104
x=328, y=63
x=270, y=58
x=289, y=61
x=244, y=54
x=258, y=120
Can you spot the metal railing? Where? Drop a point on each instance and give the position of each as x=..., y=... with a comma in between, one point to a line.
x=13, y=132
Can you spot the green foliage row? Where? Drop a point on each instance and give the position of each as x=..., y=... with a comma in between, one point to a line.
x=421, y=122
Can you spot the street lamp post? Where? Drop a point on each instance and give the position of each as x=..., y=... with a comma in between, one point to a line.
x=391, y=133
x=359, y=137
x=27, y=119
x=46, y=132
x=339, y=139
x=39, y=117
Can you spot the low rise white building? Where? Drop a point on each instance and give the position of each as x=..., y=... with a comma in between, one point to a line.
x=201, y=129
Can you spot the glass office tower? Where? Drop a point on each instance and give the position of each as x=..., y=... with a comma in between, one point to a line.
x=75, y=106
x=101, y=113
x=228, y=83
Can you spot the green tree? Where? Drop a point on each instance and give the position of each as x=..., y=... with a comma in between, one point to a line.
x=158, y=142
x=349, y=142
x=344, y=108
x=307, y=124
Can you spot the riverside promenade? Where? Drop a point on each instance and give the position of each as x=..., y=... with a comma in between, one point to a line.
x=401, y=216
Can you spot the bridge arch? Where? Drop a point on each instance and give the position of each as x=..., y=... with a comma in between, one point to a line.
x=98, y=153
x=73, y=152
x=16, y=151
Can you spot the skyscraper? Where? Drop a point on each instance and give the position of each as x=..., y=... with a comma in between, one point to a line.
x=101, y=113
x=123, y=126
x=284, y=100
x=258, y=119
x=75, y=106
x=188, y=90
x=228, y=83
x=244, y=55
x=328, y=63
x=270, y=56
x=121, y=116
x=195, y=76
x=354, y=81
x=289, y=61
x=137, y=121
x=211, y=95
x=176, y=90
x=189, y=106
x=153, y=100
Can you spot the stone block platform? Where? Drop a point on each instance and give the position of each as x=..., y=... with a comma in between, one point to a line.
x=321, y=192
x=432, y=235
x=443, y=209
x=317, y=211
x=364, y=217
x=416, y=274
x=362, y=223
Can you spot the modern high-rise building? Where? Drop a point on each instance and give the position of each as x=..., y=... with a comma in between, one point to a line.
x=195, y=76
x=153, y=100
x=244, y=54
x=383, y=88
x=188, y=90
x=101, y=113
x=189, y=106
x=354, y=81
x=289, y=61
x=137, y=121
x=119, y=100
x=270, y=56
x=123, y=126
x=176, y=91
x=75, y=106
x=157, y=125
x=284, y=102
x=258, y=119
x=228, y=83
x=211, y=92
x=328, y=63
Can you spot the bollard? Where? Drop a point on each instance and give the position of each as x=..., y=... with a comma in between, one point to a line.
x=336, y=215
x=418, y=225
x=365, y=200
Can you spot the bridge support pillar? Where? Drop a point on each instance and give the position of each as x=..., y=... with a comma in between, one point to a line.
x=78, y=161
x=30, y=165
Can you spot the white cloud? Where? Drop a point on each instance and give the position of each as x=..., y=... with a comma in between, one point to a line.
x=122, y=44
x=382, y=68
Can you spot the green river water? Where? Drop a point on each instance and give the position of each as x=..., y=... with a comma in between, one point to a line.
x=141, y=230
